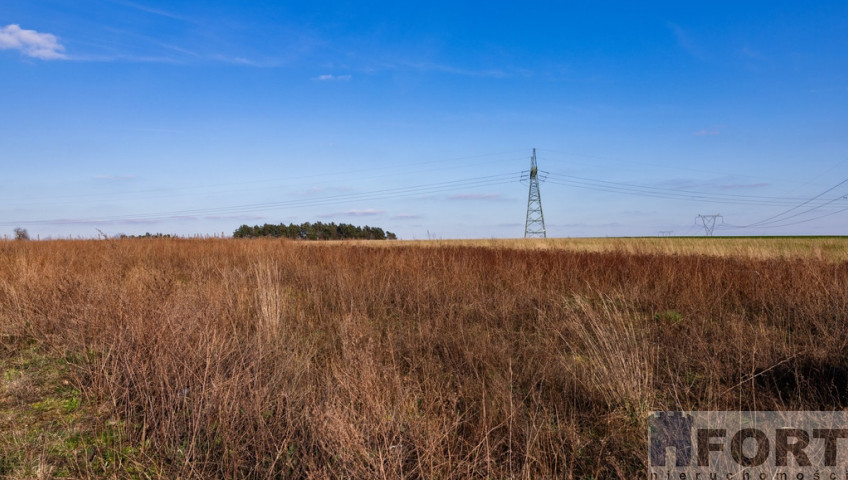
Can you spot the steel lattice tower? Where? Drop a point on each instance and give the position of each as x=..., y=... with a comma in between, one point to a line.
x=709, y=222
x=534, y=227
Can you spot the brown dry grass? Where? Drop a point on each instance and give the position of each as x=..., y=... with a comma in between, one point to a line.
x=268, y=358
x=819, y=248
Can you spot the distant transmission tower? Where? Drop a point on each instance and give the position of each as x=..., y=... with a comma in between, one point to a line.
x=534, y=227
x=709, y=222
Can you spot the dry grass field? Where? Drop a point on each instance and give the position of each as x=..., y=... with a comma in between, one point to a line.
x=820, y=248
x=168, y=358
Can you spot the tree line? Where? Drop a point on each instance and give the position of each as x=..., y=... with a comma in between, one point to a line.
x=315, y=231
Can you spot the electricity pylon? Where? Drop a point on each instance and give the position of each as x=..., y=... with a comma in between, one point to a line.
x=709, y=222
x=534, y=226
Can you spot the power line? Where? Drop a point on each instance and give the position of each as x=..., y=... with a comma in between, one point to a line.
x=706, y=197
x=632, y=162
x=534, y=201
x=635, y=163
x=229, y=187
x=670, y=190
x=383, y=194
x=775, y=219
x=794, y=223
x=664, y=193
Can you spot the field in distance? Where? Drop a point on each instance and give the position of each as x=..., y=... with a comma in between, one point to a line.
x=258, y=358
x=832, y=248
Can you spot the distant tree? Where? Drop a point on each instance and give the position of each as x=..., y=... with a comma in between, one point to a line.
x=244, y=232
x=147, y=235
x=21, y=234
x=314, y=231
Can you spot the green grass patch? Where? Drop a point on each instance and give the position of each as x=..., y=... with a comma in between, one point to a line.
x=48, y=429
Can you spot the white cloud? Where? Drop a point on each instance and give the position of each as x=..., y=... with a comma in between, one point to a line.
x=330, y=78
x=31, y=43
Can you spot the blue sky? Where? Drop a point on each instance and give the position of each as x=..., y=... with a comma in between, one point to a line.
x=196, y=117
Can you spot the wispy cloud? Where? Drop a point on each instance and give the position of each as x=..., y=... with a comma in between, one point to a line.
x=364, y=213
x=744, y=186
x=406, y=216
x=153, y=130
x=44, y=46
x=323, y=190
x=684, y=40
x=584, y=224
x=635, y=213
x=838, y=89
x=181, y=58
x=685, y=183
x=235, y=217
x=426, y=66
x=331, y=78
x=129, y=45
x=750, y=53
x=466, y=72
x=126, y=58
x=368, y=212
x=722, y=183
x=145, y=221
x=706, y=133
x=151, y=10
x=83, y=221
x=476, y=196
x=115, y=178
x=240, y=61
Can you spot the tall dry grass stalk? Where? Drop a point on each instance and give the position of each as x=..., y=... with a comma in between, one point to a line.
x=616, y=353
x=265, y=358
